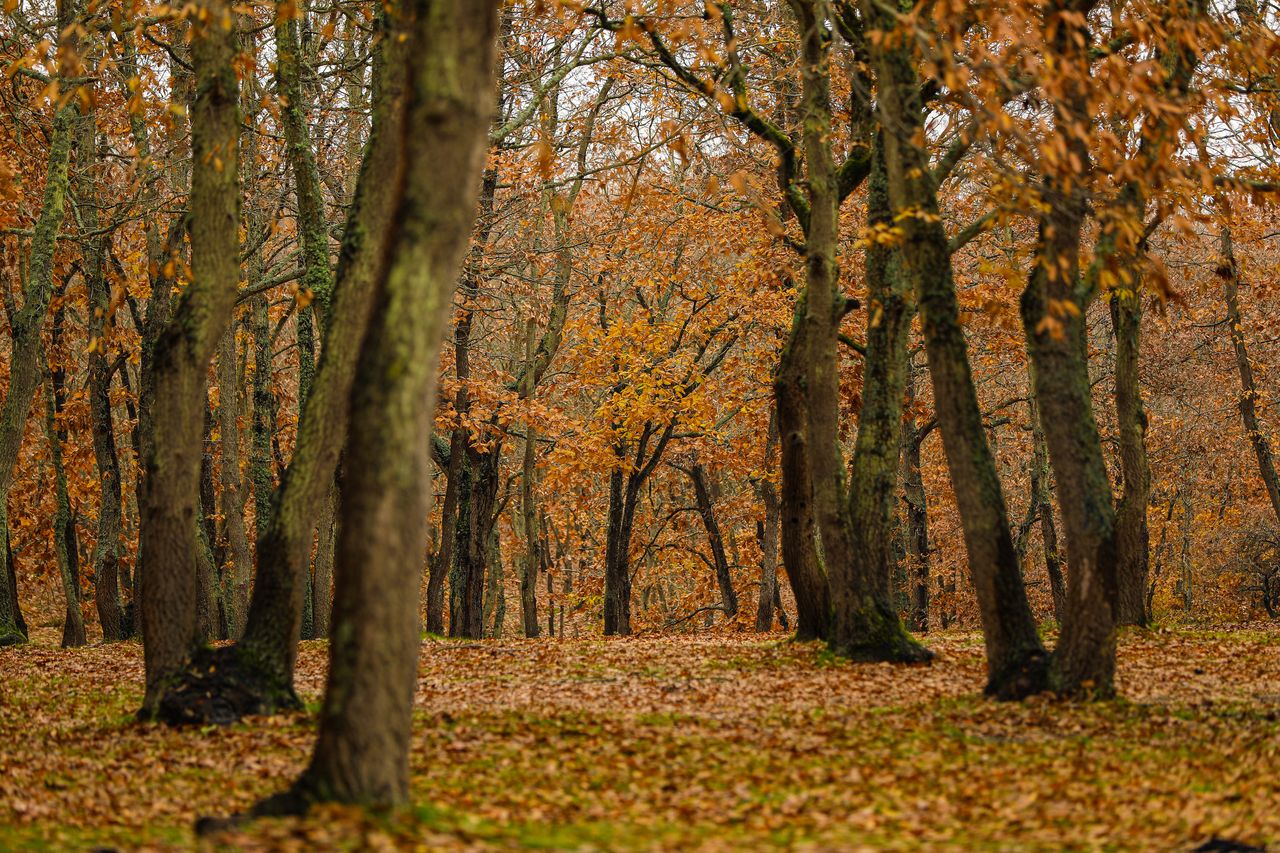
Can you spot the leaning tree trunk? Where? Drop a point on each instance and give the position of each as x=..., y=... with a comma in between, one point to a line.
x=24, y=364
x=1248, y=403
x=362, y=750
x=1042, y=497
x=706, y=509
x=1084, y=662
x=1016, y=659
x=171, y=469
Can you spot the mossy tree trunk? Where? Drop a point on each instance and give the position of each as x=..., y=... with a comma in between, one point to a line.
x=1054, y=307
x=1015, y=656
x=25, y=369
x=362, y=750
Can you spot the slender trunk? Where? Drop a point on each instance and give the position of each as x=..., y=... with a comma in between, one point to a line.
x=528, y=504
x=25, y=371
x=64, y=529
x=706, y=509
x=917, y=510
x=171, y=469
x=767, y=532
x=617, y=564
x=867, y=625
x=105, y=569
x=326, y=536
x=1015, y=657
x=1248, y=403
x=239, y=567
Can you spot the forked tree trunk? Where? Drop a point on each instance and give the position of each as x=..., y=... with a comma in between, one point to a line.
x=362, y=750
x=1016, y=659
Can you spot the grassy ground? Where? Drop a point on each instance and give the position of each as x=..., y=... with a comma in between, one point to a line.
x=719, y=743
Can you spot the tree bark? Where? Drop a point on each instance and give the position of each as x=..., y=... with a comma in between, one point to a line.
x=238, y=573
x=767, y=532
x=362, y=750
x=1016, y=659
x=706, y=509
x=25, y=370
x=171, y=469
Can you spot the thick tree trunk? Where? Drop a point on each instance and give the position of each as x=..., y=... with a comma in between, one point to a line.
x=799, y=533
x=362, y=750
x=171, y=469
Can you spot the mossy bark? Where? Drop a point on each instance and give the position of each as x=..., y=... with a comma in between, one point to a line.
x=1015, y=656
x=25, y=371
x=362, y=750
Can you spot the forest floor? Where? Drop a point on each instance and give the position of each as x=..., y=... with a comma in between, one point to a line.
x=718, y=742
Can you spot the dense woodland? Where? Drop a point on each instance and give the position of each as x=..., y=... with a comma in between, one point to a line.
x=850, y=319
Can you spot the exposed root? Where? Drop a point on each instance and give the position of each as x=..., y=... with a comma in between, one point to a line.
x=219, y=688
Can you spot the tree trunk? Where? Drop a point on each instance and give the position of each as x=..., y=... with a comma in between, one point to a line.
x=240, y=566
x=1042, y=498
x=269, y=648
x=1248, y=404
x=1084, y=663
x=64, y=528
x=528, y=505
x=867, y=625
x=799, y=534
x=1015, y=657
x=171, y=469
x=25, y=370
x=362, y=750
x=917, y=510
x=706, y=509
x=767, y=532
x=1132, y=537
